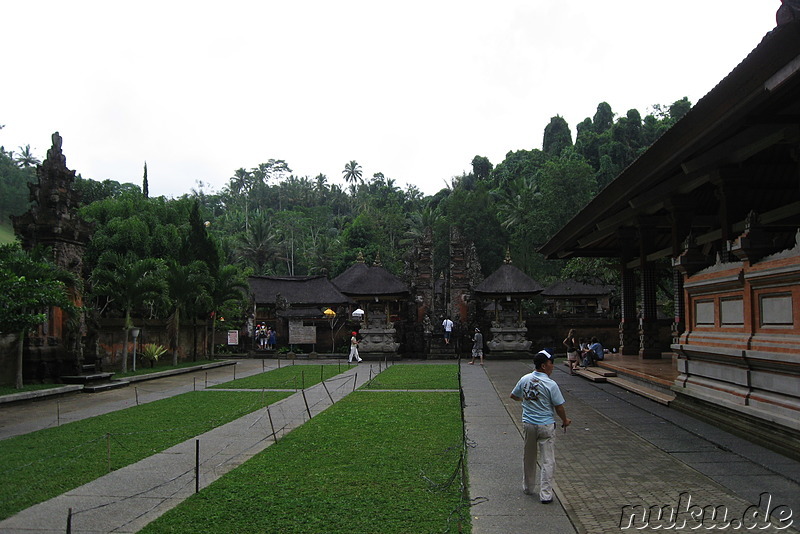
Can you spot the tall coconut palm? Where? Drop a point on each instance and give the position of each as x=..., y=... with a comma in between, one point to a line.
x=127, y=282
x=26, y=157
x=352, y=172
x=257, y=247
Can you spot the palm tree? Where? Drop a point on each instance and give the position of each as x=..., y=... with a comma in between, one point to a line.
x=127, y=283
x=229, y=285
x=240, y=185
x=257, y=245
x=352, y=172
x=26, y=157
x=187, y=290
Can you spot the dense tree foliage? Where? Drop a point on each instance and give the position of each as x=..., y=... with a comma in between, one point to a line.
x=268, y=221
x=30, y=284
x=14, y=192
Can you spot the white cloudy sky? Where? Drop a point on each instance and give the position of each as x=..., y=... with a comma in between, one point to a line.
x=413, y=89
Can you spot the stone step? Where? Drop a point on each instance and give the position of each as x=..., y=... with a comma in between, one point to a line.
x=601, y=371
x=104, y=386
x=86, y=378
x=650, y=393
x=594, y=377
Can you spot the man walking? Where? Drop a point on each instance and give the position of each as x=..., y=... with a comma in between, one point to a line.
x=540, y=396
x=447, y=326
x=354, y=349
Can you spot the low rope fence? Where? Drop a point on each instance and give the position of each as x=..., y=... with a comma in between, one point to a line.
x=269, y=423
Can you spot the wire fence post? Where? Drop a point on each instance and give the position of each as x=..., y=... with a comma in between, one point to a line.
x=69, y=521
x=197, y=466
x=108, y=450
x=355, y=380
x=272, y=426
x=328, y=392
x=306, y=401
x=58, y=413
x=136, y=391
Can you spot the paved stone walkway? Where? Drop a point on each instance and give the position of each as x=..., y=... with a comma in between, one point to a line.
x=619, y=452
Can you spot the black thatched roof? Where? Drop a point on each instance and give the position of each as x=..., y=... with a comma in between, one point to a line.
x=302, y=313
x=361, y=279
x=297, y=290
x=573, y=288
x=509, y=280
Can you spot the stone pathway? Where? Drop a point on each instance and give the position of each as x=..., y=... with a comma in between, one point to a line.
x=608, y=477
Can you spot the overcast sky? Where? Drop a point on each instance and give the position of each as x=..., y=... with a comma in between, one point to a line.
x=412, y=89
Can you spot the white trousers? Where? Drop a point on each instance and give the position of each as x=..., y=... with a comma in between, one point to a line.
x=539, y=439
x=353, y=354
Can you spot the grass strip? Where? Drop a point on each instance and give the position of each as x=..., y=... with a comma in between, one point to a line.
x=49, y=462
x=415, y=376
x=290, y=377
x=373, y=462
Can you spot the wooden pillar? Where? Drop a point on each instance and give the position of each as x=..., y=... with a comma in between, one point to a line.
x=648, y=322
x=628, y=326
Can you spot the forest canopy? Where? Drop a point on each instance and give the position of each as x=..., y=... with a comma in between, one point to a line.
x=268, y=221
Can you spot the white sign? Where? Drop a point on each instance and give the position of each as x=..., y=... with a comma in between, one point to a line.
x=233, y=337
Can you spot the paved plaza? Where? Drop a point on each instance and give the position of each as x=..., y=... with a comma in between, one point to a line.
x=623, y=458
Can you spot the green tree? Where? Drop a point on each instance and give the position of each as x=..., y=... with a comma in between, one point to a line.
x=481, y=167
x=199, y=245
x=566, y=184
x=26, y=157
x=29, y=285
x=14, y=192
x=228, y=288
x=603, y=118
x=187, y=292
x=557, y=136
x=352, y=172
x=126, y=283
x=145, y=185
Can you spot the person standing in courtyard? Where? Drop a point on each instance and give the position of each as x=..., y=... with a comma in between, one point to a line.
x=354, y=349
x=447, y=326
x=540, y=397
x=477, y=346
x=571, y=343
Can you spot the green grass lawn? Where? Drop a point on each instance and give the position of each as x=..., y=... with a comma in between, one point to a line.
x=380, y=462
x=49, y=462
x=290, y=377
x=403, y=376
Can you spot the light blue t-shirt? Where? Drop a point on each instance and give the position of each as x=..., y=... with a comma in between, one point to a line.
x=540, y=395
